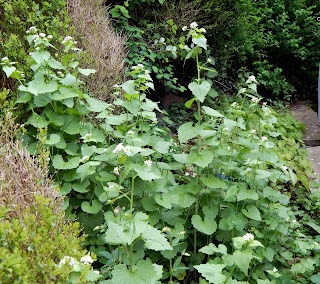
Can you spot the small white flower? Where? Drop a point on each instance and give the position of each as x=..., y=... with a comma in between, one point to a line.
x=275, y=269
x=87, y=259
x=181, y=233
x=287, y=219
x=187, y=174
x=116, y=171
x=37, y=48
x=42, y=34
x=148, y=163
x=184, y=28
x=209, y=60
x=116, y=210
x=30, y=53
x=315, y=243
x=140, y=65
x=253, y=131
x=193, y=25
x=4, y=58
x=118, y=148
x=166, y=229
x=228, y=148
x=265, y=103
x=193, y=174
x=234, y=104
x=147, y=72
x=49, y=36
x=130, y=132
x=32, y=28
x=225, y=129
x=68, y=38
x=84, y=159
x=294, y=221
x=127, y=150
x=111, y=186
x=96, y=271
x=67, y=259
x=203, y=30
x=248, y=237
x=87, y=136
x=284, y=168
x=248, y=170
x=255, y=100
x=36, y=37
x=22, y=75
x=186, y=254
x=264, y=138
x=252, y=78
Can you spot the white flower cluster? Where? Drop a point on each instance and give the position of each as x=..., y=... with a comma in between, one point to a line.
x=190, y=172
x=252, y=78
x=68, y=39
x=248, y=237
x=116, y=171
x=87, y=259
x=255, y=100
x=253, y=131
x=264, y=138
x=193, y=25
x=148, y=163
x=121, y=148
x=284, y=168
x=33, y=28
x=139, y=66
x=4, y=59
x=70, y=260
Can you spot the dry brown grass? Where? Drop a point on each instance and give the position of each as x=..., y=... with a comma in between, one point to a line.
x=105, y=50
x=21, y=175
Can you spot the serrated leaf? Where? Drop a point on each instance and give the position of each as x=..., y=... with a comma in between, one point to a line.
x=212, y=272
x=64, y=93
x=41, y=56
x=39, y=86
x=214, y=182
x=24, y=97
x=206, y=226
x=252, y=212
x=211, y=112
x=86, y=72
x=129, y=87
x=162, y=147
x=200, y=40
x=202, y=159
x=154, y=239
x=180, y=196
x=187, y=131
x=96, y=105
x=55, y=64
x=72, y=124
x=242, y=259
x=315, y=278
x=68, y=80
x=92, y=208
x=38, y=121
x=200, y=91
x=42, y=99
x=143, y=273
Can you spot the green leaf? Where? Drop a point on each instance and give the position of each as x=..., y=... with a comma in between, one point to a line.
x=37, y=121
x=69, y=80
x=201, y=159
x=42, y=99
x=72, y=124
x=24, y=97
x=143, y=273
x=154, y=239
x=96, y=105
x=186, y=131
x=189, y=103
x=211, y=112
x=200, y=91
x=39, y=86
x=207, y=226
x=252, y=212
x=212, y=272
x=211, y=249
x=9, y=70
x=55, y=64
x=54, y=139
x=129, y=87
x=41, y=56
x=64, y=93
x=200, y=40
x=59, y=164
x=94, y=208
x=214, y=182
x=86, y=72
x=242, y=259
x=162, y=147
x=92, y=276
x=315, y=278
x=268, y=253
x=181, y=197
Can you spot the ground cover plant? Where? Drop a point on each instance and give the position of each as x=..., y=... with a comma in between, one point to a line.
x=211, y=204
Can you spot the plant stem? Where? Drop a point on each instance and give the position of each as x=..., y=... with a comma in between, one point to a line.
x=132, y=190
x=233, y=268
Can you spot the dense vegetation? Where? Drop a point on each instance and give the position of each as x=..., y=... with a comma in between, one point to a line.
x=221, y=195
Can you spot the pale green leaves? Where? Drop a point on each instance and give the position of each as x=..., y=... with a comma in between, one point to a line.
x=187, y=131
x=92, y=208
x=201, y=159
x=200, y=91
x=59, y=164
x=200, y=41
x=212, y=272
x=212, y=249
x=252, y=212
x=9, y=70
x=211, y=112
x=143, y=273
x=206, y=226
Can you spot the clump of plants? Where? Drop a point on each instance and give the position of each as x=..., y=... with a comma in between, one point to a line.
x=210, y=205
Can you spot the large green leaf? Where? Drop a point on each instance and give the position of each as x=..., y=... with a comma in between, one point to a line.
x=200, y=91
x=38, y=121
x=214, y=182
x=64, y=93
x=96, y=105
x=86, y=72
x=9, y=70
x=39, y=86
x=72, y=124
x=53, y=139
x=144, y=273
x=212, y=249
x=154, y=239
x=241, y=259
x=201, y=159
x=206, y=226
x=42, y=99
x=252, y=212
x=69, y=80
x=180, y=196
x=41, y=56
x=212, y=272
x=59, y=164
x=200, y=40
x=92, y=208
x=187, y=131
x=210, y=111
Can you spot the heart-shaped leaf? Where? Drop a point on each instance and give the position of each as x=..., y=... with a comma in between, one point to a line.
x=200, y=91
x=93, y=208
